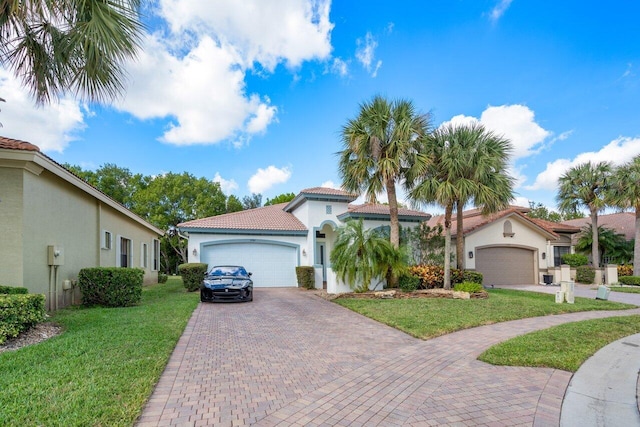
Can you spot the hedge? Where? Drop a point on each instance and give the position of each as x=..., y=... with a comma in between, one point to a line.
x=19, y=312
x=585, y=274
x=162, y=278
x=13, y=290
x=471, y=287
x=432, y=276
x=575, y=260
x=192, y=275
x=306, y=277
x=111, y=286
x=629, y=280
x=408, y=282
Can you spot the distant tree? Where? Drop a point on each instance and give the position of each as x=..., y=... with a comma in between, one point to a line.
x=234, y=204
x=252, y=202
x=586, y=185
x=281, y=198
x=426, y=244
x=538, y=210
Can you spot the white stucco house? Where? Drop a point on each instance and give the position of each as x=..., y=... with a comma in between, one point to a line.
x=509, y=248
x=271, y=241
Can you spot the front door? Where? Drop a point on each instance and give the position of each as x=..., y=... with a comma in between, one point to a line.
x=322, y=261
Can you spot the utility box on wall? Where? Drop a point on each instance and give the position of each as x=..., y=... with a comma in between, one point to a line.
x=55, y=255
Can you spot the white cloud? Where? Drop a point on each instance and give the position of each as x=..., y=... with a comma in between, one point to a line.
x=340, y=67
x=51, y=127
x=227, y=186
x=521, y=201
x=264, y=179
x=366, y=52
x=499, y=9
x=329, y=184
x=618, y=151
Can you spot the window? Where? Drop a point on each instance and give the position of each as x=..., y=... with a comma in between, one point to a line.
x=124, y=255
x=144, y=256
x=507, y=230
x=106, y=239
x=328, y=209
x=558, y=251
x=155, y=255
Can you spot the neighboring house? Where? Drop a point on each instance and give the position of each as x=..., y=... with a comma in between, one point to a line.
x=622, y=223
x=53, y=224
x=271, y=241
x=508, y=247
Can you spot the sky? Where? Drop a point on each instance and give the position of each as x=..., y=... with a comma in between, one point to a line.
x=253, y=94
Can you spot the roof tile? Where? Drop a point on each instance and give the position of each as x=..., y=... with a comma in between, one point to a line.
x=272, y=218
x=622, y=223
x=15, y=144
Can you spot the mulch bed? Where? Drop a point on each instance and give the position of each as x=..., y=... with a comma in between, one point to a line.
x=393, y=293
x=39, y=333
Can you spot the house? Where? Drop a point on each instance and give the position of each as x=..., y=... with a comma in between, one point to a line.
x=271, y=241
x=508, y=247
x=622, y=223
x=53, y=224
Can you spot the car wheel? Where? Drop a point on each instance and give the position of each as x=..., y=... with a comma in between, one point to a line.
x=202, y=298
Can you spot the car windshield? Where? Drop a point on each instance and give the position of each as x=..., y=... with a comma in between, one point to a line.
x=228, y=271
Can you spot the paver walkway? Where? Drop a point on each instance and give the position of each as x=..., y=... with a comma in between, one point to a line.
x=293, y=359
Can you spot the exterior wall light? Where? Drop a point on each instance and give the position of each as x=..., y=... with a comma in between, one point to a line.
x=470, y=254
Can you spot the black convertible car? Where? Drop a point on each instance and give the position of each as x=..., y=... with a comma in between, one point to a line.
x=227, y=283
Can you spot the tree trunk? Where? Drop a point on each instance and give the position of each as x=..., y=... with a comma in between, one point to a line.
x=447, y=245
x=595, y=244
x=394, y=236
x=460, y=261
x=636, y=246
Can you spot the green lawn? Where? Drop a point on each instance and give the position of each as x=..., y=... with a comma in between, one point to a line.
x=627, y=289
x=102, y=369
x=562, y=347
x=429, y=317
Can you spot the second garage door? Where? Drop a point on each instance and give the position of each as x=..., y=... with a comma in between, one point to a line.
x=271, y=265
x=506, y=266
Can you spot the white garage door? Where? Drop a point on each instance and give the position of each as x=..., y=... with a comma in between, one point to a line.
x=271, y=265
x=506, y=266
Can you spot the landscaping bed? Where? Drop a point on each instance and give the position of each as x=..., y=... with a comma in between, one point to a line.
x=422, y=293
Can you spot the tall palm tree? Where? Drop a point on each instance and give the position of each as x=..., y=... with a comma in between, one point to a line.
x=381, y=147
x=625, y=193
x=586, y=185
x=78, y=46
x=449, y=180
x=361, y=255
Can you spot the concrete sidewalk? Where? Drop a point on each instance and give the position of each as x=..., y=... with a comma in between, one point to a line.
x=293, y=359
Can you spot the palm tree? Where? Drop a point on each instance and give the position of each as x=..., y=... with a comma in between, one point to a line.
x=449, y=180
x=611, y=245
x=382, y=146
x=485, y=159
x=361, y=255
x=586, y=185
x=69, y=45
x=625, y=193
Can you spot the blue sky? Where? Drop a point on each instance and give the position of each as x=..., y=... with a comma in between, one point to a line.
x=253, y=94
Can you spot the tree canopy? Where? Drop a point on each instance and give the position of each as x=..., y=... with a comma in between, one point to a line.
x=280, y=198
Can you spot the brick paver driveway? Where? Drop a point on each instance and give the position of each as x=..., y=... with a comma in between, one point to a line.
x=292, y=359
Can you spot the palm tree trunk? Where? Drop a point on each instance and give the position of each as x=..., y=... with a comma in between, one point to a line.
x=394, y=236
x=447, y=245
x=636, y=246
x=595, y=248
x=459, y=236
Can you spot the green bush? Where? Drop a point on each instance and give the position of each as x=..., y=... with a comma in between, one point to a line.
x=472, y=276
x=111, y=286
x=192, y=275
x=162, y=278
x=575, y=260
x=585, y=274
x=629, y=280
x=19, y=312
x=408, y=282
x=13, y=290
x=471, y=287
x=306, y=277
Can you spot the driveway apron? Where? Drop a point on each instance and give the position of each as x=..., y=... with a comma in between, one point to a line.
x=291, y=358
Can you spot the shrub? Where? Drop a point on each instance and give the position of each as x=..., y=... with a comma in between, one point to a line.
x=19, y=312
x=472, y=276
x=432, y=276
x=629, y=280
x=306, y=277
x=111, y=286
x=192, y=275
x=575, y=260
x=625, y=270
x=13, y=290
x=408, y=282
x=585, y=274
x=162, y=278
x=471, y=287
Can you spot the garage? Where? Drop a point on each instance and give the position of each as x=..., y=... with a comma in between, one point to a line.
x=272, y=264
x=506, y=265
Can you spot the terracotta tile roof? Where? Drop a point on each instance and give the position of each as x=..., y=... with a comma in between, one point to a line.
x=622, y=223
x=473, y=220
x=380, y=209
x=326, y=191
x=267, y=218
x=15, y=144
x=558, y=227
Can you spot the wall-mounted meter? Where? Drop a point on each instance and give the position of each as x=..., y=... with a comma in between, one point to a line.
x=55, y=255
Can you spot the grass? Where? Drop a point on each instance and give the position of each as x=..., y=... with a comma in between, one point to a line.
x=427, y=318
x=563, y=347
x=102, y=369
x=626, y=289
